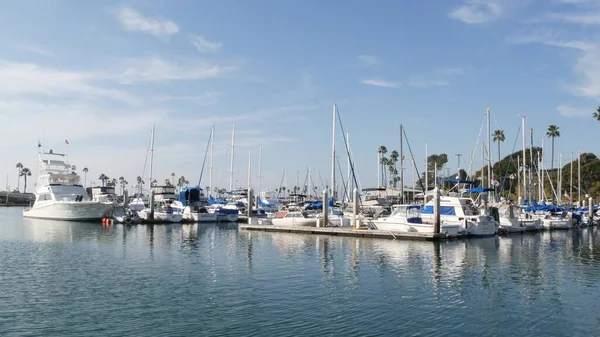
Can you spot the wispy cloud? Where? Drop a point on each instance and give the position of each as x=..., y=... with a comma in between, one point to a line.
x=369, y=60
x=37, y=50
x=157, y=70
x=421, y=82
x=477, y=11
x=133, y=20
x=451, y=71
x=29, y=78
x=569, y=111
x=207, y=98
x=203, y=45
x=381, y=83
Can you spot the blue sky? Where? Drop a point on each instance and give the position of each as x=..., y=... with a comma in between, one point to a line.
x=101, y=73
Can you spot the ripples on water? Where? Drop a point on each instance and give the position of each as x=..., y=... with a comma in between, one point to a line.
x=80, y=279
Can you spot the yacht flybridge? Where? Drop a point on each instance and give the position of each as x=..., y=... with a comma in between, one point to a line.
x=60, y=195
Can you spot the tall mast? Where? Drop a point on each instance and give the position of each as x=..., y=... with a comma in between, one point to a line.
x=401, y=165
x=426, y=176
x=579, y=177
x=543, y=194
x=525, y=194
x=531, y=163
x=249, y=170
x=559, y=187
x=232, y=155
x=259, y=170
x=349, y=184
x=212, y=143
x=571, y=181
x=333, y=154
x=151, y=154
x=489, y=130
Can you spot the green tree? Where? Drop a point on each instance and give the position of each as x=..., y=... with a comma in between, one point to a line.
x=19, y=169
x=597, y=113
x=103, y=178
x=25, y=172
x=498, y=138
x=552, y=133
x=85, y=172
x=382, y=150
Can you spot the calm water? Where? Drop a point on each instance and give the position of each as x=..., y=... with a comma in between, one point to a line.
x=80, y=279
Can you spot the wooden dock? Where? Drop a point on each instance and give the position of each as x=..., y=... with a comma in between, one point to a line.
x=347, y=231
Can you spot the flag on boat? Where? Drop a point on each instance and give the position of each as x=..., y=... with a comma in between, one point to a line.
x=39, y=144
x=67, y=142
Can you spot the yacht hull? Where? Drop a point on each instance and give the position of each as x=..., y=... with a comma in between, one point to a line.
x=293, y=222
x=448, y=229
x=190, y=216
x=70, y=211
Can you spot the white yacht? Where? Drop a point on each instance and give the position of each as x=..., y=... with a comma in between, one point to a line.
x=163, y=212
x=407, y=218
x=59, y=194
x=293, y=218
x=463, y=210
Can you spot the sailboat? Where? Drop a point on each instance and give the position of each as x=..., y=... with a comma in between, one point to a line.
x=163, y=210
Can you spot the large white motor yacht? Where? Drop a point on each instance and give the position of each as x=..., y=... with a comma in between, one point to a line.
x=59, y=194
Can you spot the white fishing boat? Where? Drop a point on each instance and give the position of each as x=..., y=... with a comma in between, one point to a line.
x=192, y=203
x=293, y=218
x=463, y=210
x=60, y=195
x=407, y=218
x=105, y=194
x=511, y=221
x=557, y=221
x=163, y=212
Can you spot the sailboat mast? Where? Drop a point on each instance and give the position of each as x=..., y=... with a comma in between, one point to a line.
x=259, y=170
x=571, y=181
x=249, y=169
x=426, y=176
x=531, y=161
x=559, y=189
x=212, y=143
x=401, y=165
x=333, y=154
x=349, y=184
x=151, y=154
x=489, y=152
x=579, y=178
x=525, y=194
x=232, y=156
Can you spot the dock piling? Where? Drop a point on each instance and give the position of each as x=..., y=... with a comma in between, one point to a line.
x=125, y=199
x=151, y=201
x=591, y=210
x=436, y=211
x=355, y=198
x=250, y=206
x=325, y=208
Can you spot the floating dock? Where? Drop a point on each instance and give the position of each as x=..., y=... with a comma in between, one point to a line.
x=348, y=231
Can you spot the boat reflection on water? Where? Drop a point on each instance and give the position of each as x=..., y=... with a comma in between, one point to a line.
x=42, y=230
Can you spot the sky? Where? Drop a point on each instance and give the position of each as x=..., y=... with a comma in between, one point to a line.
x=100, y=74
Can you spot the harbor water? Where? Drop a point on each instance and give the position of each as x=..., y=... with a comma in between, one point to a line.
x=86, y=279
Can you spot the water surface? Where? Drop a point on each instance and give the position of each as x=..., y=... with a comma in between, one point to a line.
x=83, y=279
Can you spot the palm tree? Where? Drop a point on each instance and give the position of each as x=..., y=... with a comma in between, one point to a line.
x=103, y=178
x=140, y=183
x=392, y=166
x=85, y=172
x=173, y=179
x=19, y=169
x=552, y=133
x=597, y=113
x=25, y=172
x=167, y=182
x=154, y=182
x=498, y=138
x=382, y=150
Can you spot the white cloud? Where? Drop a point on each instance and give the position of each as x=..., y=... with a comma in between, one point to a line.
x=569, y=111
x=369, y=60
x=206, y=98
x=203, y=45
x=29, y=78
x=477, y=11
x=37, y=50
x=421, y=82
x=134, y=21
x=157, y=70
x=586, y=18
x=380, y=83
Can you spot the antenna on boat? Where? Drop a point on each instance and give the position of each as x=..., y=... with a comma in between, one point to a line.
x=259, y=170
x=333, y=154
x=151, y=154
x=212, y=143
